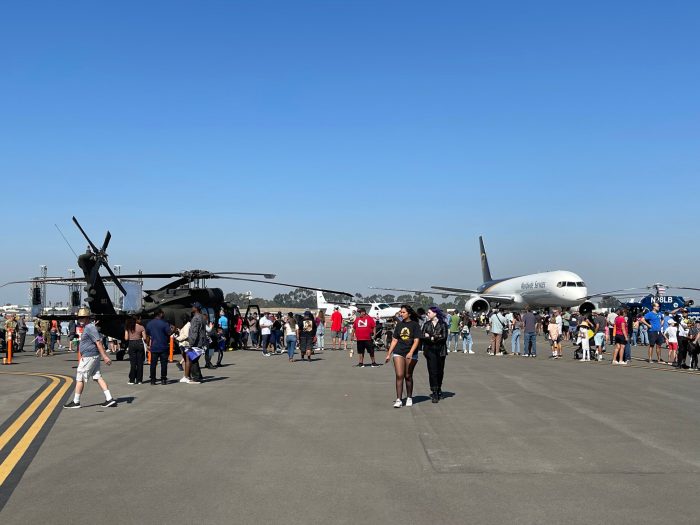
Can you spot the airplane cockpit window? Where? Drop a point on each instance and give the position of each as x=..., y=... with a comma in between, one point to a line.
x=382, y=306
x=581, y=284
x=560, y=284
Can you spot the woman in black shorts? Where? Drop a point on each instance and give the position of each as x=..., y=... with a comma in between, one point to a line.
x=403, y=349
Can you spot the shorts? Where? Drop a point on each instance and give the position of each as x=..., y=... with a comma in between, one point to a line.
x=88, y=368
x=346, y=335
x=306, y=342
x=402, y=355
x=365, y=345
x=620, y=340
x=656, y=338
x=336, y=334
x=599, y=339
x=672, y=346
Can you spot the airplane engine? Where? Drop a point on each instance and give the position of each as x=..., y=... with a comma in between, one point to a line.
x=477, y=305
x=586, y=308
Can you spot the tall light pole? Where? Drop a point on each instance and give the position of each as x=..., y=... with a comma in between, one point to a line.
x=118, y=269
x=44, y=273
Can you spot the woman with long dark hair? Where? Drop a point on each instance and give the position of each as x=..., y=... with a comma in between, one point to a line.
x=434, y=337
x=403, y=349
x=134, y=333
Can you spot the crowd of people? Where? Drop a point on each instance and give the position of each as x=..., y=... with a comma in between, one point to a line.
x=432, y=332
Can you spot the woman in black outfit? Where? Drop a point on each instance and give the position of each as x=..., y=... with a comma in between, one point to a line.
x=134, y=334
x=404, y=349
x=433, y=337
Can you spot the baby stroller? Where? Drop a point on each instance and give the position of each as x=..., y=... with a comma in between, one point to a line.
x=378, y=338
x=578, y=351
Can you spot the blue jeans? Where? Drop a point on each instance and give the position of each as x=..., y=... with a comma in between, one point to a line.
x=515, y=342
x=467, y=342
x=291, y=341
x=320, y=339
x=634, y=337
x=265, y=342
x=254, y=338
x=453, y=336
x=530, y=339
x=628, y=352
x=644, y=337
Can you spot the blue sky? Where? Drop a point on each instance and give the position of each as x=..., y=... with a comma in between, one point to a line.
x=343, y=144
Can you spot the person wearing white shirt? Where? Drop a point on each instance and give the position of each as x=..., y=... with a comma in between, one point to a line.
x=265, y=332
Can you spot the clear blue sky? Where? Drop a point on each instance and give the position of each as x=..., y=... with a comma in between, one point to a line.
x=343, y=144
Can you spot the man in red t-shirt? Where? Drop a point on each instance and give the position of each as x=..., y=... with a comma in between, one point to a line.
x=362, y=333
x=336, y=327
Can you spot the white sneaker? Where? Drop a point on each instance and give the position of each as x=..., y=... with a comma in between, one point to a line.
x=464, y=351
x=185, y=380
x=397, y=403
x=409, y=401
x=471, y=352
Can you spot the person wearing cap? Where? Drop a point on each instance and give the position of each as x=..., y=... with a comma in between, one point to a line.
x=364, y=327
x=336, y=327
x=158, y=337
x=671, y=337
x=307, y=335
x=91, y=350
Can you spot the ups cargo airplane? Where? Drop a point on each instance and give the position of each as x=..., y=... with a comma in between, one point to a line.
x=559, y=288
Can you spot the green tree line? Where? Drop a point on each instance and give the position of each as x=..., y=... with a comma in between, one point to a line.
x=303, y=298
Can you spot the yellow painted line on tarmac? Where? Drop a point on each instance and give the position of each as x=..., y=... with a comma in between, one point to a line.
x=16, y=454
x=29, y=411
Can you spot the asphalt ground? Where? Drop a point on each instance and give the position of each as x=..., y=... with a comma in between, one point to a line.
x=517, y=440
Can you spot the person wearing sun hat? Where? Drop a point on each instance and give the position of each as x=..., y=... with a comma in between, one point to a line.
x=91, y=350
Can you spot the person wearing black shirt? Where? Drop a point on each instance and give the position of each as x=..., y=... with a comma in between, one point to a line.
x=403, y=349
x=434, y=336
x=307, y=335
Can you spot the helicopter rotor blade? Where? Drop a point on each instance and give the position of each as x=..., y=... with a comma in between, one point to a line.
x=108, y=237
x=287, y=284
x=115, y=279
x=92, y=244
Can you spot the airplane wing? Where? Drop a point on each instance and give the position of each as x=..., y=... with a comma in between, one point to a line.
x=456, y=290
x=417, y=292
x=623, y=292
x=502, y=299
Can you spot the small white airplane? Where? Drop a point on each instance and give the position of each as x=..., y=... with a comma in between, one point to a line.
x=374, y=310
x=346, y=310
x=559, y=288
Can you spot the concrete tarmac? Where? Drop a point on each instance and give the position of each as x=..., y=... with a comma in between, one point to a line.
x=517, y=440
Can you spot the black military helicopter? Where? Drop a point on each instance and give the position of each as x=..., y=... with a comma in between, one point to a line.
x=175, y=298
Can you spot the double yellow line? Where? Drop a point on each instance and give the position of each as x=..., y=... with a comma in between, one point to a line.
x=54, y=389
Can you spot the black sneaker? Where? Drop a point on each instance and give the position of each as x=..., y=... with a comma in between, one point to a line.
x=374, y=365
x=112, y=402
x=72, y=404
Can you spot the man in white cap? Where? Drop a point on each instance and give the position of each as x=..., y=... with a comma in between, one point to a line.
x=91, y=350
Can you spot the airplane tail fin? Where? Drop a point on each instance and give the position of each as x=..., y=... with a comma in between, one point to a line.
x=485, y=271
x=320, y=300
